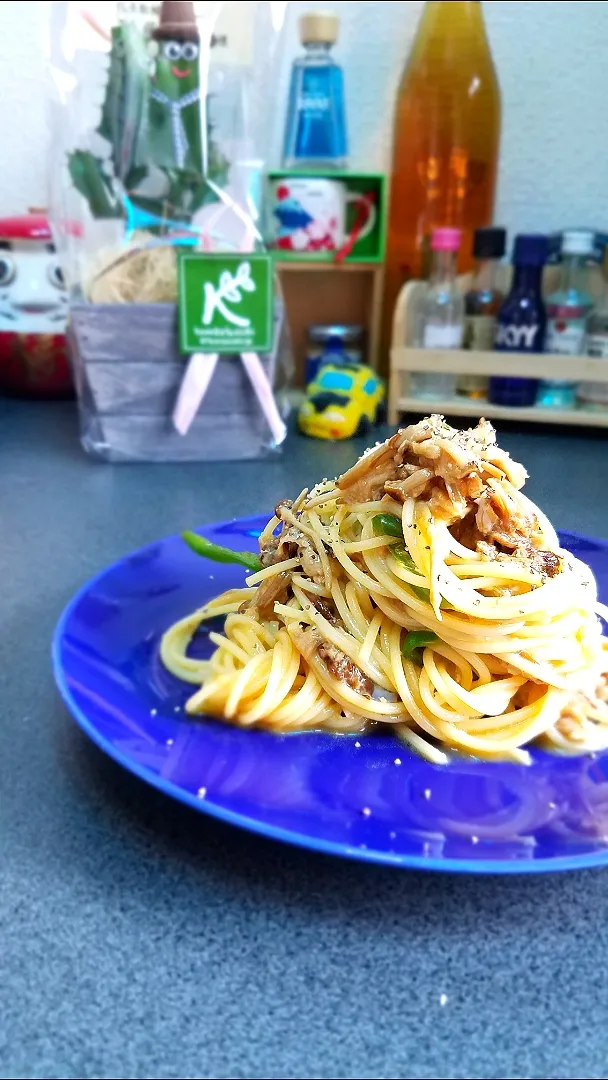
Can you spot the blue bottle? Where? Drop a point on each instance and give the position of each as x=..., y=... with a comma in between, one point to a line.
x=315, y=134
x=522, y=321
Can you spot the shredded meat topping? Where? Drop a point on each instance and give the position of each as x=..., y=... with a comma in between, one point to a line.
x=502, y=521
x=342, y=668
x=467, y=482
x=452, y=468
x=310, y=644
x=292, y=543
x=275, y=590
x=325, y=608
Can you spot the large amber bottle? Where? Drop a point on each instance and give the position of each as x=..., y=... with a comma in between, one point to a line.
x=446, y=142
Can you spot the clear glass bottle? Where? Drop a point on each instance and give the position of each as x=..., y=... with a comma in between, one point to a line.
x=446, y=142
x=315, y=132
x=441, y=321
x=482, y=304
x=594, y=395
x=568, y=310
x=522, y=321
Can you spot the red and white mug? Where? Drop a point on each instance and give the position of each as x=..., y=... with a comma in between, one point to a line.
x=308, y=215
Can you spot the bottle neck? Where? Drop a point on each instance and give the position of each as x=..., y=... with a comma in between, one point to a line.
x=575, y=273
x=452, y=16
x=317, y=52
x=527, y=278
x=444, y=267
x=486, y=276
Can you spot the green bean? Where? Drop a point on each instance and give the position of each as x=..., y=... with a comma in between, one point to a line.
x=218, y=554
x=388, y=525
x=414, y=642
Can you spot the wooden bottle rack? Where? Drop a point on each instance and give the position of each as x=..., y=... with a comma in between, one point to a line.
x=405, y=359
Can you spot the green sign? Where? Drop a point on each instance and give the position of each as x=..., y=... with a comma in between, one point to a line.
x=226, y=303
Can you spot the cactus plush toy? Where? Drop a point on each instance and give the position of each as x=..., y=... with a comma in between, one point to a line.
x=153, y=118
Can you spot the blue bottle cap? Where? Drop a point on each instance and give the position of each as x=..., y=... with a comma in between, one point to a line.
x=531, y=249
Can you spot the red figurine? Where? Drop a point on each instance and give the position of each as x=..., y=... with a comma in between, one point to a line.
x=33, y=311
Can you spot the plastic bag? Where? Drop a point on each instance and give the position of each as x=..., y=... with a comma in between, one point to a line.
x=160, y=136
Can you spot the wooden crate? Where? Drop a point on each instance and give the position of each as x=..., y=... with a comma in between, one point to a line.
x=347, y=293
x=405, y=359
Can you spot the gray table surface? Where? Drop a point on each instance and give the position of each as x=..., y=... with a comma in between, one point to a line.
x=140, y=939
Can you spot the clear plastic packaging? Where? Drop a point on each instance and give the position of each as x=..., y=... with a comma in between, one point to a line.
x=160, y=137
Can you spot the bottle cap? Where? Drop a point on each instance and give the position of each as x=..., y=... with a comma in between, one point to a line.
x=446, y=240
x=490, y=243
x=347, y=333
x=531, y=249
x=319, y=28
x=578, y=242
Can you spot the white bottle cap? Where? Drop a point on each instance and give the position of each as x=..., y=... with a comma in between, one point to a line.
x=578, y=242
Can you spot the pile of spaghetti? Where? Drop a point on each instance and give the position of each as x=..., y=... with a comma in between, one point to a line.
x=421, y=590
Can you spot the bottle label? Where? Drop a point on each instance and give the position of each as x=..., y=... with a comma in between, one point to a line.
x=518, y=338
x=313, y=103
x=480, y=332
x=597, y=346
x=442, y=337
x=566, y=337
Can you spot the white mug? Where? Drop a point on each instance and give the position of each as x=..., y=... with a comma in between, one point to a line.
x=308, y=215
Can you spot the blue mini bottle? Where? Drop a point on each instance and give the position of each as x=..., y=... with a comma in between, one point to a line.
x=315, y=134
x=522, y=321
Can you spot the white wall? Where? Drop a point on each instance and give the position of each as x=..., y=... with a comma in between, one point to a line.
x=551, y=58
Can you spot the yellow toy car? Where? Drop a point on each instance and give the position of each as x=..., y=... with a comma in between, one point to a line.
x=343, y=400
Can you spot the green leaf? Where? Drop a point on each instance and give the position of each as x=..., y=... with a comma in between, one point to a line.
x=136, y=176
x=88, y=176
x=388, y=525
x=218, y=554
x=414, y=642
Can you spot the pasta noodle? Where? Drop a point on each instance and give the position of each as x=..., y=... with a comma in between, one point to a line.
x=422, y=592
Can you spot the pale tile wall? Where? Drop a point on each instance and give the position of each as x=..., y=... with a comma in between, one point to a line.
x=551, y=58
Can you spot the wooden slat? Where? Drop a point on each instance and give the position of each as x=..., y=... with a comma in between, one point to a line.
x=467, y=407
x=460, y=362
x=307, y=265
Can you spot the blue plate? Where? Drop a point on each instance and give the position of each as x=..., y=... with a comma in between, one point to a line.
x=365, y=798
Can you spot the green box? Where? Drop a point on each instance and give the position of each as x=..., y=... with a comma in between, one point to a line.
x=226, y=302
x=369, y=249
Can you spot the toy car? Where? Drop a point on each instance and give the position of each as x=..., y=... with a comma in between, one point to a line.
x=343, y=400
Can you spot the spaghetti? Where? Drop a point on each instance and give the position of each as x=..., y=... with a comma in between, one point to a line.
x=422, y=590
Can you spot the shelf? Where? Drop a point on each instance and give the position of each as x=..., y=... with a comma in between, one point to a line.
x=519, y=365
x=406, y=359
x=360, y=266
x=465, y=407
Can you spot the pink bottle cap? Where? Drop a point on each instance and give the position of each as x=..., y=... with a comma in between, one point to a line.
x=446, y=240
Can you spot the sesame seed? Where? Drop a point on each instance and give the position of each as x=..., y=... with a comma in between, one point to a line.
x=202, y=793
x=366, y=811
x=474, y=839
x=393, y=836
x=357, y=746
x=443, y=1000
x=177, y=709
x=153, y=712
x=427, y=794
x=397, y=761
x=553, y=806
x=170, y=742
